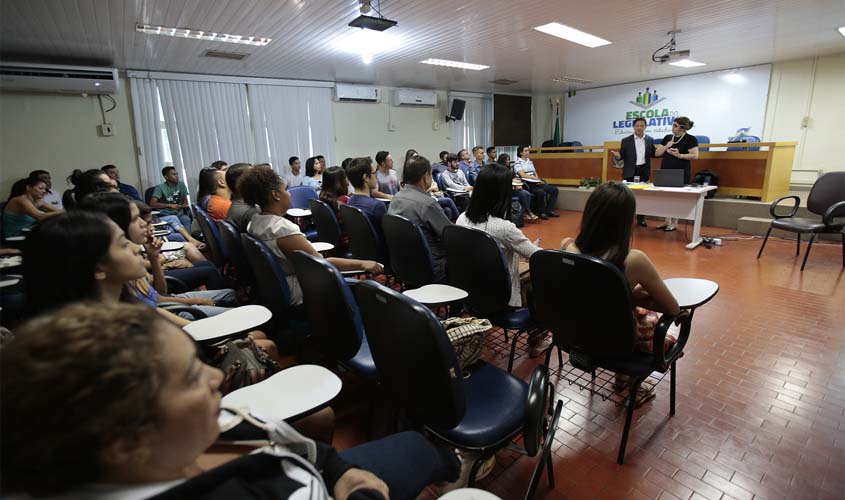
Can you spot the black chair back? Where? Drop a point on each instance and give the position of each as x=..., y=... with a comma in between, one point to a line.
x=585, y=302
x=410, y=257
x=212, y=237
x=148, y=194
x=827, y=190
x=335, y=320
x=230, y=239
x=328, y=229
x=415, y=361
x=300, y=195
x=364, y=242
x=477, y=265
x=273, y=291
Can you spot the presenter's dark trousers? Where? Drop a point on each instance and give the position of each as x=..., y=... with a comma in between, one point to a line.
x=546, y=197
x=641, y=171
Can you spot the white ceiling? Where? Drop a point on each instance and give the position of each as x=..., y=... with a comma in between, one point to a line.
x=311, y=39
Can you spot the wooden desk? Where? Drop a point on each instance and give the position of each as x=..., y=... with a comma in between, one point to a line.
x=763, y=174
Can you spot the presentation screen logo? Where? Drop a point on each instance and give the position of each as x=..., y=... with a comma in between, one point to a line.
x=646, y=103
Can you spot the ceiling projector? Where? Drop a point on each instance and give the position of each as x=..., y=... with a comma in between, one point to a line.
x=364, y=21
x=671, y=54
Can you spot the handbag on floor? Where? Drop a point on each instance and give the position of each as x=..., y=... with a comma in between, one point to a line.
x=466, y=336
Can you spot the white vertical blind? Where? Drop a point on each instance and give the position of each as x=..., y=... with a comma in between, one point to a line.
x=291, y=121
x=206, y=122
x=145, y=112
x=476, y=126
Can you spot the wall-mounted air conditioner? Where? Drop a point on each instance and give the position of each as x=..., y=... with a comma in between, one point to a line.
x=415, y=97
x=344, y=92
x=57, y=79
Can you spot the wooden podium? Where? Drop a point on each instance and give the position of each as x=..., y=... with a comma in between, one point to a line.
x=764, y=173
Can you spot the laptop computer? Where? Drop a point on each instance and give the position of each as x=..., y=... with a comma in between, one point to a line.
x=668, y=178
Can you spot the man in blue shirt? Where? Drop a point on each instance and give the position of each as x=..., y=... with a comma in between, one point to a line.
x=362, y=174
x=124, y=189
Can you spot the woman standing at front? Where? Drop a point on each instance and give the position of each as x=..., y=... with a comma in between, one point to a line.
x=677, y=150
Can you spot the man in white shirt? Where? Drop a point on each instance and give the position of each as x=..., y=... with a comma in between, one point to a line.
x=54, y=198
x=295, y=176
x=545, y=195
x=635, y=154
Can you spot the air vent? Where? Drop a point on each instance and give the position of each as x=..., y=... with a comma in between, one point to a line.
x=503, y=81
x=224, y=55
x=570, y=79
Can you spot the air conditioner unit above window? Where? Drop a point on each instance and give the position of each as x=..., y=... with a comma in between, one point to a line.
x=415, y=97
x=51, y=79
x=344, y=92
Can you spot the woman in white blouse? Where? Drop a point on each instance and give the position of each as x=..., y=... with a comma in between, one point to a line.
x=489, y=211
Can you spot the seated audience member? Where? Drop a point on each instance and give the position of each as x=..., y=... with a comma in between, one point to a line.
x=476, y=163
x=189, y=251
x=440, y=167
x=114, y=174
x=240, y=213
x=605, y=232
x=464, y=163
x=84, y=183
x=362, y=174
x=345, y=163
x=207, y=184
x=414, y=203
x=313, y=174
x=219, y=165
x=445, y=202
x=456, y=182
x=546, y=195
x=295, y=176
x=126, y=214
x=333, y=190
x=264, y=187
x=142, y=407
x=54, y=198
x=518, y=188
x=26, y=206
x=171, y=196
x=489, y=210
x=491, y=155
x=388, y=182
x=221, y=198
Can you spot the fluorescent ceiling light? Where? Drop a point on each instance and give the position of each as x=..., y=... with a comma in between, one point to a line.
x=211, y=36
x=687, y=63
x=842, y=31
x=455, y=64
x=573, y=35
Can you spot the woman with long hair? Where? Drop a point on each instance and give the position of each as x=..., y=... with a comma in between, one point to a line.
x=606, y=232
x=26, y=206
x=313, y=174
x=207, y=186
x=678, y=149
x=334, y=189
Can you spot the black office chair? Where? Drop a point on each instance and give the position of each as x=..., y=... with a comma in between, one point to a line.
x=827, y=198
x=586, y=303
x=212, y=237
x=336, y=327
x=328, y=228
x=364, y=241
x=148, y=194
x=482, y=409
x=230, y=239
x=477, y=264
x=410, y=256
x=273, y=291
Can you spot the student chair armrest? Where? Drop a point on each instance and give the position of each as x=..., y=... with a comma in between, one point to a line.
x=664, y=357
x=828, y=216
x=773, y=207
x=180, y=308
x=175, y=285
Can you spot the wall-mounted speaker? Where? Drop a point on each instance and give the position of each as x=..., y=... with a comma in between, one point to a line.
x=457, y=111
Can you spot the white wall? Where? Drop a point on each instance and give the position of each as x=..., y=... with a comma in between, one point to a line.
x=813, y=88
x=58, y=133
x=364, y=129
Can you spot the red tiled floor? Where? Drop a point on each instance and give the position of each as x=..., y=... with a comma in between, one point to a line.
x=761, y=390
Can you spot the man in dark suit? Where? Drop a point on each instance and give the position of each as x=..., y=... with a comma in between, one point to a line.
x=635, y=155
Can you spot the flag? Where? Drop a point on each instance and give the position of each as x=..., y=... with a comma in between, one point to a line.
x=557, y=124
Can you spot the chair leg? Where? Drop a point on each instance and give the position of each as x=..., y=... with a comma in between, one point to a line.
x=513, y=350
x=797, y=244
x=764, y=242
x=843, y=249
x=548, y=359
x=672, y=390
x=559, y=357
x=809, y=246
x=505, y=331
x=551, y=470
x=632, y=401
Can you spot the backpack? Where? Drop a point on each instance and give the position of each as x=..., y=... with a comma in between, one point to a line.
x=708, y=176
x=517, y=215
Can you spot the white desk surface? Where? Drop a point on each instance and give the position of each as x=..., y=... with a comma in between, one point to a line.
x=155, y=212
x=172, y=246
x=528, y=179
x=291, y=392
x=321, y=246
x=9, y=282
x=11, y=261
x=436, y=294
x=469, y=494
x=299, y=212
x=458, y=191
x=692, y=292
x=236, y=320
x=685, y=189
